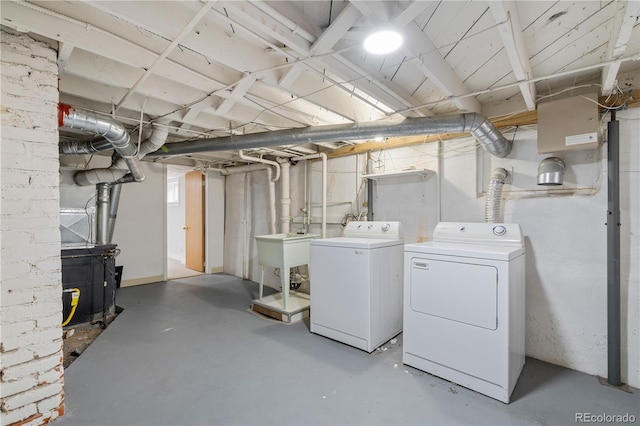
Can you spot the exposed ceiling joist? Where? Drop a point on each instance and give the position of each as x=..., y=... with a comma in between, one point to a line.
x=337, y=64
x=336, y=30
x=409, y=13
x=433, y=65
x=624, y=21
x=64, y=52
x=185, y=31
x=85, y=36
x=238, y=92
x=426, y=57
x=510, y=30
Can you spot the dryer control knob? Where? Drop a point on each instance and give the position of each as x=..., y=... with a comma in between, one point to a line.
x=499, y=230
x=386, y=227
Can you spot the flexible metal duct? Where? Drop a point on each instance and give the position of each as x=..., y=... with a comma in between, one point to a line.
x=493, y=201
x=479, y=126
x=113, y=132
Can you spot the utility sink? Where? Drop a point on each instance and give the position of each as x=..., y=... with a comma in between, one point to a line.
x=284, y=250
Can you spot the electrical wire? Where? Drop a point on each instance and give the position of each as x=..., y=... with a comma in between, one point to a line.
x=75, y=298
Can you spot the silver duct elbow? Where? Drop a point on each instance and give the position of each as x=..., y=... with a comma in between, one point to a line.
x=112, y=131
x=487, y=134
x=493, y=201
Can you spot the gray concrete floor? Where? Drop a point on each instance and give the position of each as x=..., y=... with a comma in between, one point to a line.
x=189, y=352
x=177, y=269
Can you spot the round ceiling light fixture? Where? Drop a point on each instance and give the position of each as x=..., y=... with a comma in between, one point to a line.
x=383, y=42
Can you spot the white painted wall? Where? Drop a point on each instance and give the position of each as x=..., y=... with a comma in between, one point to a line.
x=564, y=229
x=214, y=222
x=31, y=382
x=176, y=223
x=140, y=228
x=246, y=215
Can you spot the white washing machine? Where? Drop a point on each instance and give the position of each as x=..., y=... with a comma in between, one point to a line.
x=356, y=284
x=464, y=306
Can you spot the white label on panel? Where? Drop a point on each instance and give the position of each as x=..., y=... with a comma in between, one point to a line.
x=581, y=139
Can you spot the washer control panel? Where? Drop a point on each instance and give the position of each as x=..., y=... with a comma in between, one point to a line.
x=376, y=229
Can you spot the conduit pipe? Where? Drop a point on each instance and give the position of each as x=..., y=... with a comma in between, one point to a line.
x=493, y=201
x=241, y=169
x=479, y=126
x=272, y=202
x=260, y=160
x=113, y=131
x=323, y=157
x=285, y=200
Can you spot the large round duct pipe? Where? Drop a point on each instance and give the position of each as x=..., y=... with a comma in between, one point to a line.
x=551, y=171
x=119, y=169
x=479, y=126
x=113, y=131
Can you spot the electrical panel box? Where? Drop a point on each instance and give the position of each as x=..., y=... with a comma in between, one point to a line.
x=568, y=124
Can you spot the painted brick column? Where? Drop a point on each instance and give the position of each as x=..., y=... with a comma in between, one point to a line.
x=31, y=381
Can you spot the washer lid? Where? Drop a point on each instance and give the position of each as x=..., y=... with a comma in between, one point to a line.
x=472, y=251
x=350, y=242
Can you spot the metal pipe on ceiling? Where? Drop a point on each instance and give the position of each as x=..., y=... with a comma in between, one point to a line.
x=479, y=126
x=113, y=131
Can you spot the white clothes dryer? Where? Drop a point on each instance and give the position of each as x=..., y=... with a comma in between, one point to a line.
x=464, y=306
x=356, y=284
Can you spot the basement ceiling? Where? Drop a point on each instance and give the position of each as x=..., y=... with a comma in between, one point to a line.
x=210, y=69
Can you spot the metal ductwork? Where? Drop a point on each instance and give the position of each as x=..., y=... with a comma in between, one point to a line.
x=479, y=126
x=493, y=201
x=113, y=132
x=117, y=172
x=551, y=171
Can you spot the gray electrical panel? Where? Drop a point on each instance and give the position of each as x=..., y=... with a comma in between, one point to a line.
x=568, y=124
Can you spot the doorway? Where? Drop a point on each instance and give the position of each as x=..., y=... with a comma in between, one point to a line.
x=185, y=222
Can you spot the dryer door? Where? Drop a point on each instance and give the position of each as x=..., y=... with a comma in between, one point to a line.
x=455, y=291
